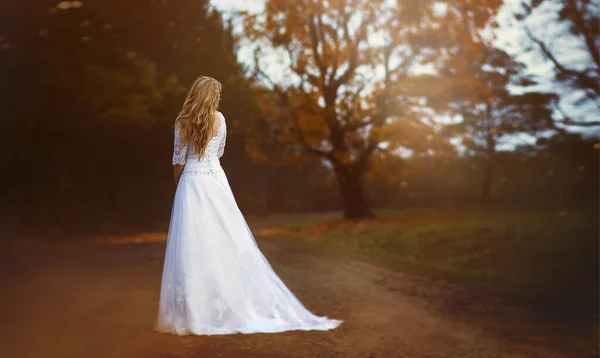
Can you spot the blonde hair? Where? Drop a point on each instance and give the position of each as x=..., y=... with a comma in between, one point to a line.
x=199, y=114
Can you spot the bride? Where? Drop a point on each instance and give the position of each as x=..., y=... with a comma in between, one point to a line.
x=215, y=279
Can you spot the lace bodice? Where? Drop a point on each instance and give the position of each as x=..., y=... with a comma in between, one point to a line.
x=216, y=145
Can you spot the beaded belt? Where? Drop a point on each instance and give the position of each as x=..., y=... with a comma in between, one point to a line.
x=193, y=167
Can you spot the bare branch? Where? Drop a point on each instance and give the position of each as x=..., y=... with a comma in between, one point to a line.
x=335, y=60
x=354, y=102
x=353, y=46
x=580, y=23
x=315, y=42
x=284, y=98
x=588, y=84
x=366, y=153
x=570, y=122
x=566, y=119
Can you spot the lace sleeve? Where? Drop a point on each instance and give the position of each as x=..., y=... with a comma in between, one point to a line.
x=223, y=138
x=180, y=149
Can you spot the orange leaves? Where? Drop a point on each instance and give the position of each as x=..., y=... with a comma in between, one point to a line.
x=356, y=89
x=413, y=134
x=385, y=166
x=312, y=128
x=65, y=5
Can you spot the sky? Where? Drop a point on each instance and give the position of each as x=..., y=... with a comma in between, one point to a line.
x=510, y=37
x=507, y=37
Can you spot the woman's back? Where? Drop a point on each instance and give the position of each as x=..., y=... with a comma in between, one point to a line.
x=184, y=152
x=216, y=145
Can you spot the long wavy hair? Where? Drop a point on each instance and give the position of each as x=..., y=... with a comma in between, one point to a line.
x=198, y=117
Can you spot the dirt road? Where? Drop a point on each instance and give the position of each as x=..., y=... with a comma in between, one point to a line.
x=95, y=300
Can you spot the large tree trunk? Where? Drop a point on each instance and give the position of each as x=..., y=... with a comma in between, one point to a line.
x=353, y=197
x=488, y=175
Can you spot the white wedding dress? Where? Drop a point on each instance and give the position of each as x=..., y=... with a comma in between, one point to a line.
x=215, y=279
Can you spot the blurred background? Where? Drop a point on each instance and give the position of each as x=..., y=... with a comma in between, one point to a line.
x=440, y=103
x=485, y=110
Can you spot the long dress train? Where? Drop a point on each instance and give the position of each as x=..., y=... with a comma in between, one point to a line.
x=215, y=279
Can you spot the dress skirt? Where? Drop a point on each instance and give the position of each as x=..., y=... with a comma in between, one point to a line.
x=215, y=279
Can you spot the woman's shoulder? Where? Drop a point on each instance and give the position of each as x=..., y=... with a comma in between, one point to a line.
x=221, y=116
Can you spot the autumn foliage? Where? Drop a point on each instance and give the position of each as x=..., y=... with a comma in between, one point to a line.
x=354, y=89
x=372, y=104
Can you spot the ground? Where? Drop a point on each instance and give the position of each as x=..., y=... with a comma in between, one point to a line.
x=99, y=299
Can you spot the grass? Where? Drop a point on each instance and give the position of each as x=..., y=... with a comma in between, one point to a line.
x=546, y=260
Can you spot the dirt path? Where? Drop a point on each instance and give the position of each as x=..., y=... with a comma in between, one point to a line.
x=93, y=300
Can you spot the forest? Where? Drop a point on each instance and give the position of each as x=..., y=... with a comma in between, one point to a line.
x=378, y=112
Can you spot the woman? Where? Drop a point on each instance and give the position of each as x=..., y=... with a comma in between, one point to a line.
x=215, y=279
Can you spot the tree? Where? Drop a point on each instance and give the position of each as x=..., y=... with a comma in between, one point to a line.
x=498, y=111
x=578, y=24
x=91, y=89
x=348, y=61
x=485, y=91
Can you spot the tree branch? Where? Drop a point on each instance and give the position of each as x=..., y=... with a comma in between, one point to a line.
x=335, y=59
x=579, y=21
x=588, y=84
x=566, y=120
x=353, y=46
x=284, y=98
x=315, y=41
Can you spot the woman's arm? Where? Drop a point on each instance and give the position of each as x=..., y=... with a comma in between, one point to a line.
x=223, y=140
x=179, y=155
x=177, y=170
